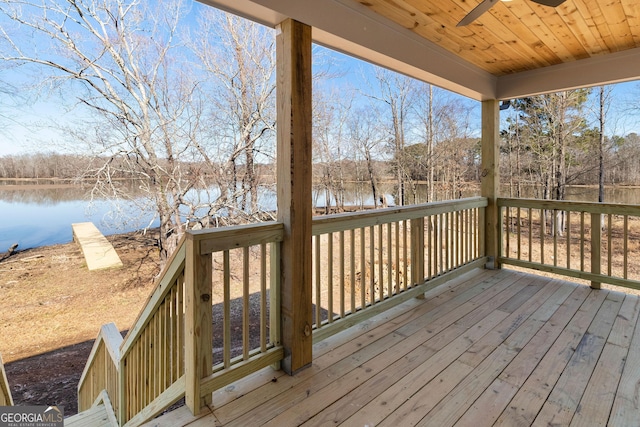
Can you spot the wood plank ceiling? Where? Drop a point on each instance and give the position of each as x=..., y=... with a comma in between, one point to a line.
x=520, y=35
x=517, y=48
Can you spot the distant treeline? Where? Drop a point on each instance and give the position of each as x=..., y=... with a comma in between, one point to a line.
x=79, y=167
x=454, y=164
x=42, y=165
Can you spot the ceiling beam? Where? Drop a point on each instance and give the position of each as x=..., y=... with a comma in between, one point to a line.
x=601, y=70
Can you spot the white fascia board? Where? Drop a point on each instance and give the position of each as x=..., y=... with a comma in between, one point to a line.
x=601, y=70
x=353, y=29
x=249, y=10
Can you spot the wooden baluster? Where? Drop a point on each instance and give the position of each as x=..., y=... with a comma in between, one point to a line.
x=363, y=270
x=318, y=282
x=417, y=251
x=625, y=249
x=245, y=303
x=609, y=244
x=568, y=231
x=582, y=232
x=275, y=298
x=263, y=297
x=342, y=274
x=352, y=265
x=596, y=235
x=330, y=277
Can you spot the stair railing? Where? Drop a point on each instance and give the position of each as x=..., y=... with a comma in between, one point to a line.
x=143, y=373
x=5, y=391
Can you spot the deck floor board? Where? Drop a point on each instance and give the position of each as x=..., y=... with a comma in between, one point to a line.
x=491, y=348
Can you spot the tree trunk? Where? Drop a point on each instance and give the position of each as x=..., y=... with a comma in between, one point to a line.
x=430, y=160
x=601, y=148
x=372, y=178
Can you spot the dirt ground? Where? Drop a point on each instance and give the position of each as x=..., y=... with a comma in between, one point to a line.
x=52, y=307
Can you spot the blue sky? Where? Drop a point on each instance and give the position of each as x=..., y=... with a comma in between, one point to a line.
x=23, y=128
x=25, y=120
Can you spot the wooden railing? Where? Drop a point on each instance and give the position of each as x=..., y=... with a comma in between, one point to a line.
x=152, y=354
x=214, y=315
x=245, y=278
x=598, y=242
x=144, y=373
x=102, y=370
x=5, y=391
x=366, y=262
x=230, y=274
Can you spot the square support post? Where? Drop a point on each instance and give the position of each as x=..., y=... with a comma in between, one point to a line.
x=294, y=124
x=198, y=346
x=490, y=184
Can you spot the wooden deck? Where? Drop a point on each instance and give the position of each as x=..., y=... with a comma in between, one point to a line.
x=490, y=348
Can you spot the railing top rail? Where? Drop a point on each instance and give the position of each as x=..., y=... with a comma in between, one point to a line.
x=240, y=236
x=567, y=205
x=348, y=221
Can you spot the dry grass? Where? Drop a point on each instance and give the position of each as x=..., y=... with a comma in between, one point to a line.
x=50, y=300
x=619, y=249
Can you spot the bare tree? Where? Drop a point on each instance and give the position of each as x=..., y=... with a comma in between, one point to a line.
x=331, y=112
x=126, y=63
x=604, y=102
x=444, y=121
x=367, y=138
x=626, y=153
x=396, y=92
x=430, y=144
x=549, y=126
x=118, y=65
x=238, y=58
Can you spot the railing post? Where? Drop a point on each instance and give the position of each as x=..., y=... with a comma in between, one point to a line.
x=198, y=323
x=417, y=251
x=490, y=184
x=596, y=236
x=274, y=298
x=122, y=396
x=294, y=123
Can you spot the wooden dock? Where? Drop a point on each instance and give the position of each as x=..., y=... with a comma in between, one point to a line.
x=97, y=250
x=490, y=348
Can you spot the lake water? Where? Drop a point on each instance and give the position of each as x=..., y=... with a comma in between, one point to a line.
x=38, y=217
x=35, y=218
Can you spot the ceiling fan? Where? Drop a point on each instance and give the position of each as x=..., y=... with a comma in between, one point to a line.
x=488, y=4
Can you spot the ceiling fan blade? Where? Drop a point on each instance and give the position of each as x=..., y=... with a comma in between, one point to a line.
x=550, y=3
x=479, y=10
